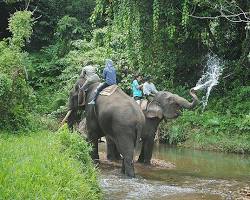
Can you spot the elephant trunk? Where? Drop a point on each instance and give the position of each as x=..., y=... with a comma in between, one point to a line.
x=186, y=104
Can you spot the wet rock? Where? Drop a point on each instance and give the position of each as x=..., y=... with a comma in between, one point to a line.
x=162, y=164
x=243, y=193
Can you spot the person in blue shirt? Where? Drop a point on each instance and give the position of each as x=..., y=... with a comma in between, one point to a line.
x=137, y=88
x=109, y=75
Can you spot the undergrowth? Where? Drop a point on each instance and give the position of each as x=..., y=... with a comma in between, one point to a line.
x=46, y=166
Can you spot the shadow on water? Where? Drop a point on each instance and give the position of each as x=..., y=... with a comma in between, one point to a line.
x=197, y=175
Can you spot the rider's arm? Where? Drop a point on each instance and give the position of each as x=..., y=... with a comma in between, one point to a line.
x=146, y=90
x=153, y=89
x=104, y=73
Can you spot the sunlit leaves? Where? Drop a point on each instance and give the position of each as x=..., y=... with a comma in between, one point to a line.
x=20, y=25
x=16, y=96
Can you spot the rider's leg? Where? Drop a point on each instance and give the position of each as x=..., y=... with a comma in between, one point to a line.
x=97, y=92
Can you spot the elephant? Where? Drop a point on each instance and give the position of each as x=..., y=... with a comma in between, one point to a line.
x=117, y=117
x=164, y=105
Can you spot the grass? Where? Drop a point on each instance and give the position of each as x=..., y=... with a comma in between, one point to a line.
x=217, y=142
x=209, y=131
x=46, y=166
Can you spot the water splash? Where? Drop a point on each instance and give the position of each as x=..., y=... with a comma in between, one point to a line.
x=210, y=77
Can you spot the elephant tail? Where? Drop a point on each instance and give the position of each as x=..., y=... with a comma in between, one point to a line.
x=139, y=128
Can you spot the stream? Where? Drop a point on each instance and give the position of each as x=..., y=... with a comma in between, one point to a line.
x=197, y=175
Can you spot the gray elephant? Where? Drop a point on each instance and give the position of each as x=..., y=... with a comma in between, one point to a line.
x=164, y=105
x=116, y=116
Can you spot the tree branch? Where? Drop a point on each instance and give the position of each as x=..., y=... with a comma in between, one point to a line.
x=238, y=17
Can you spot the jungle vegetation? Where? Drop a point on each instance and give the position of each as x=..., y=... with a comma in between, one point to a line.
x=44, y=44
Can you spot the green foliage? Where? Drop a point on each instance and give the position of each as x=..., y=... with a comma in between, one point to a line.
x=185, y=13
x=209, y=130
x=13, y=1
x=77, y=147
x=99, y=36
x=20, y=25
x=160, y=37
x=236, y=102
x=5, y=85
x=175, y=134
x=17, y=98
x=42, y=165
x=50, y=12
x=68, y=29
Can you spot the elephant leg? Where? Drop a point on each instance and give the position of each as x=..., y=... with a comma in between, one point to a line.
x=141, y=156
x=112, y=151
x=148, y=150
x=123, y=167
x=127, y=151
x=117, y=154
x=129, y=166
x=94, y=153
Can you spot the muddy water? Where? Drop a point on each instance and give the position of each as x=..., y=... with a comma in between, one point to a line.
x=197, y=175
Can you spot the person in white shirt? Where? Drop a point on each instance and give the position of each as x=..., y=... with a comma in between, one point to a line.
x=149, y=89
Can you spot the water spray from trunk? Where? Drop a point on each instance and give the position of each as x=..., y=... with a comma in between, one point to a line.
x=210, y=77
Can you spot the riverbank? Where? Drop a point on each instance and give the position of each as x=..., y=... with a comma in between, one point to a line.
x=208, y=131
x=46, y=165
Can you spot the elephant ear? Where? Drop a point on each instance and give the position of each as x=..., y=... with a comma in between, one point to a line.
x=73, y=100
x=81, y=98
x=154, y=110
x=171, y=108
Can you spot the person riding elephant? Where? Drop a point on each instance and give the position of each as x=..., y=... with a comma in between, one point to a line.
x=164, y=105
x=109, y=75
x=116, y=116
x=137, y=88
x=76, y=96
x=149, y=89
x=89, y=72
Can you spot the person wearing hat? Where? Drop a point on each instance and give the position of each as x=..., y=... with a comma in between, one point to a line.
x=149, y=89
x=89, y=72
x=109, y=75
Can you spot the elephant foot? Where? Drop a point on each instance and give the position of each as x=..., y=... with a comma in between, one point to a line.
x=141, y=158
x=129, y=167
x=140, y=161
x=123, y=167
x=147, y=163
x=144, y=163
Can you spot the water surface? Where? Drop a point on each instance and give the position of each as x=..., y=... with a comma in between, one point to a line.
x=197, y=175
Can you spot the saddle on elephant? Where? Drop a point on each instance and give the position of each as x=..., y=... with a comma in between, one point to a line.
x=108, y=90
x=105, y=92
x=144, y=102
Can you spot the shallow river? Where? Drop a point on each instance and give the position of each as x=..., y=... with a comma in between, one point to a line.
x=196, y=175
